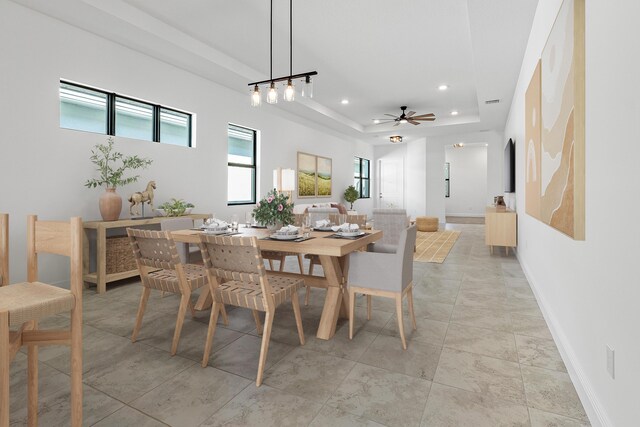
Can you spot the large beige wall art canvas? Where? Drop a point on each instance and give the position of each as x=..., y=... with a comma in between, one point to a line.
x=562, y=149
x=532, y=145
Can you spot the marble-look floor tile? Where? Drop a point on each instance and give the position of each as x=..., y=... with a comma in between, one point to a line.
x=526, y=306
x=428, y=331
x=452, y=407
x=241, y=357
x=419, y=360
x=340, y=345
x=501, y=345
x=516, y=282
x=531, y=326
x=539, y=352
x=264, y=406
x=519, y=292
x=473, y=372
x=473, y=298
x=379, y=320
x=134, y=371
x=552, y=391
x=308, y=374
x=483, y=288
x=191, y=397
x=546, y=419
x=334, y=417
x=127, y=416
x=482, y=317
x=385, y=397
x=431, y=310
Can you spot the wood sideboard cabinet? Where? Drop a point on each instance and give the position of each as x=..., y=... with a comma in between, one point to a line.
x=100, y=276
x=500, y=228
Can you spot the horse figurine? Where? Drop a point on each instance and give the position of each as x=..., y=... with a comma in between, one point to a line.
x=139, y=198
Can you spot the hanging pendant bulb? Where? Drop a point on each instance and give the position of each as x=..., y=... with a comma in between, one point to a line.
x=289, y=92
x=272, y=95
x=256, y=98
x=307, y=88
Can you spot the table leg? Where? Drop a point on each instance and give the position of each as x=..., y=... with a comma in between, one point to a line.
x=344, y=308
x=333, y=300
x=86, y=259
x=101, y=259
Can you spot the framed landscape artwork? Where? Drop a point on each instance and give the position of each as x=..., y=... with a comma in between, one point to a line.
x=314, y=176
x=555, y=172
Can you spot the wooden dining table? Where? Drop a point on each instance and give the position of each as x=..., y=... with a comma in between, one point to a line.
x=334, y=258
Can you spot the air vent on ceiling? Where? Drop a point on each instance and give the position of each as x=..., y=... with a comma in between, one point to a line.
x=492, y=101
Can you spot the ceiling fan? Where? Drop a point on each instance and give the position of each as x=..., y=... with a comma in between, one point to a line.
x=409, y=117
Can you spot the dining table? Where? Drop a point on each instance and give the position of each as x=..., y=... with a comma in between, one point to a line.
x=333, y=252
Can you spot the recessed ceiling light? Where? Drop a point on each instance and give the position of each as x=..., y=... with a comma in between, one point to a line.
x=344, y=101
x=454, y=113
x=443, y=87
x=376, y=121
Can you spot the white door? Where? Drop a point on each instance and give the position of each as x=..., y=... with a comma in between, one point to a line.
x=391, y=194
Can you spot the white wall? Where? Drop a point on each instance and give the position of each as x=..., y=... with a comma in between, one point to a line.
x=43, y=168
x=588, y=291
x=468, y=180
x=416, y=177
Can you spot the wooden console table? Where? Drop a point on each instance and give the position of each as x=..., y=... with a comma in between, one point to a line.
x=500, y=229
x=100, y=276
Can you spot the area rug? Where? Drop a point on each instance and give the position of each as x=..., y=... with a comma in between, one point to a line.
x=435, y=246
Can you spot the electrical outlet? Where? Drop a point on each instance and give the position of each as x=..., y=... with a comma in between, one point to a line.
x=611, y=353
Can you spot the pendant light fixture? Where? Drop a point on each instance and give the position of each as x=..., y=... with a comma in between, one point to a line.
x=290, y=91
x=395, y=138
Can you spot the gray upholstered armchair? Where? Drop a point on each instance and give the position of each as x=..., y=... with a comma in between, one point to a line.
x=391, y=222
x=384, y=274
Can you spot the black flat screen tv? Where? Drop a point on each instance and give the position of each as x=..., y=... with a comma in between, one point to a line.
x=510, y=167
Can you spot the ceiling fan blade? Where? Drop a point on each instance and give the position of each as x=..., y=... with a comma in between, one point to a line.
x=423, y=116
x=410, y=113
x=397, y=123
x=395, y=117
x=413, y=122
x=424, y=119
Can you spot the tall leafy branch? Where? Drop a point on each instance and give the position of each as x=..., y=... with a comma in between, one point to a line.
x=112, y=175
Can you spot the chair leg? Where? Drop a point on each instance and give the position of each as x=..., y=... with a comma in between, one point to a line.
x=76, y=367
x=282, y=258
x=271, y=264
x=300, y=264
x=295, y=302
x=192, y=310
x=182, y=312
x=411, y=312
x=264, y=348
x=4, y=369
x=223, y=312
x=256, y=317
x=311, y=265
x=141, y=308
x=306, y=294
x=400, y=319
x=215, y=310
x=352, y=310
x=32, y=382
x=368, y=307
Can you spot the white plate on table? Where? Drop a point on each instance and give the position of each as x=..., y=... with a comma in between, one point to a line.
x=323, y=228
x=213, y=231
x=350, y=233
x=285, y=236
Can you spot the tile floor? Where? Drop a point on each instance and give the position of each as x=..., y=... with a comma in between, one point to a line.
x=482, y=356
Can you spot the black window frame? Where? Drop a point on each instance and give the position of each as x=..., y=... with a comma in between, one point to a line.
x=254, y=166
x=361, y=178
x=156, y=108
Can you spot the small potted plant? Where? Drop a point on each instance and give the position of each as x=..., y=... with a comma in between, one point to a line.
x=351, y=195
x=176, y=207
x=112, y=176
x=274, y=210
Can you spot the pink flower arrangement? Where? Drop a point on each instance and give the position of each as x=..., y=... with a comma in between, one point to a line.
x=274, y=208
x=280, y=208
x=269, y=199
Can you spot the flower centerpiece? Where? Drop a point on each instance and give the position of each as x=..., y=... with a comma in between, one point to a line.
x=273, y=210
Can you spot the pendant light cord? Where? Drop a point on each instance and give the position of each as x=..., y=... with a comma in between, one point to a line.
x=290, y=37
x=271, y=43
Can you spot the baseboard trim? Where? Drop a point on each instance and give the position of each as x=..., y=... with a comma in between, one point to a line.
x=592, y=406
x=465, y=215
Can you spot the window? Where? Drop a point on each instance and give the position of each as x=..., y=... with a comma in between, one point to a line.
x=361, y=177
x=241, y=158
x=94, y=110
x=447, y=183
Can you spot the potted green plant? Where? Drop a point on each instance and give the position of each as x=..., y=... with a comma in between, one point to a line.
x=176, y=207
x=351, y=195
x=112, y=176
x=274, y=210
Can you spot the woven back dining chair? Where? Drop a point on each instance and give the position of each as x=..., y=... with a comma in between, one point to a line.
x=188, y=253
x=23, y=305
x=237, y=276
x=162, y=269
x=391, y=222
x=4, y=249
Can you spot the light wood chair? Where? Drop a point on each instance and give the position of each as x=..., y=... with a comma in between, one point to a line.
x=385, y=275
x=161, y=268
x=22, y=305
x=4, y=249
x=237, y=276
x=186, y=251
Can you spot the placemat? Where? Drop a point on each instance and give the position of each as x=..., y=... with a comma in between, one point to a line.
x=337, y=236
x=299, y=239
